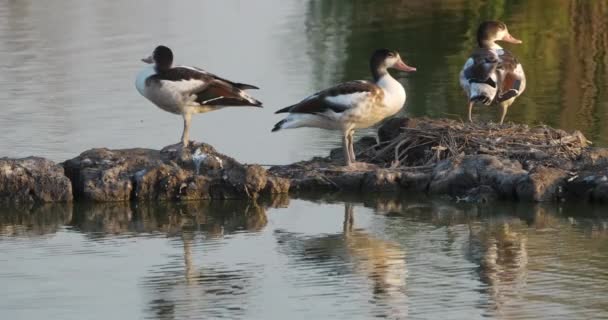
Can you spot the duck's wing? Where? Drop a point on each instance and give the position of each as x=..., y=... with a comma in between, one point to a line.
x=207, y=88
x=242, y=86
x=513, y=74
x=480, y=66
x=508, y=61
x=337, y=99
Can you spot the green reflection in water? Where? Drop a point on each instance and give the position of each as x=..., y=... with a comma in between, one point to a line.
x=564, y=54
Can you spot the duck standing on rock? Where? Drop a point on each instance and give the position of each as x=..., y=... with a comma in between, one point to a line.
x=352, y=105
x=188, y=90
x=492, y=74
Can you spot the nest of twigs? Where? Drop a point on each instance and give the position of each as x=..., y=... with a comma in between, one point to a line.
x=428, y=141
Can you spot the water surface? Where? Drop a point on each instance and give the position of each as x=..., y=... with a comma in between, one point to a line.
x=392, y=258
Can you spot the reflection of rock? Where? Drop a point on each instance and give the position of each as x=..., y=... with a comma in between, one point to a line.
x=34, y=220
x=198, y=172
x=214, y=218
x=380, y=261
x=33, y=179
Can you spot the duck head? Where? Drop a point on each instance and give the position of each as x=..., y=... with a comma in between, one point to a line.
x=491, y=31
x=383, y=59
x=162, y=57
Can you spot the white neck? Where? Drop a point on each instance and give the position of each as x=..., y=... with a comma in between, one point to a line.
x=495, y=46
x=394, y=93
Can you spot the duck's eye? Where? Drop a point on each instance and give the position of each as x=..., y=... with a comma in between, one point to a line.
x=391, y=54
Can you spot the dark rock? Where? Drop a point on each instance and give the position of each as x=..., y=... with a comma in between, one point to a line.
x=415, y=180
x=482, y=194
x=593, y=157
x=600, y=193
x=587, y=186
x=457, y=176
x=33, y=179
x=174, y=173
x=542, y=184
x=393, y=127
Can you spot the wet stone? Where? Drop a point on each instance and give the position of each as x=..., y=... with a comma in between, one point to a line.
x=33, y=179
x=173, y=173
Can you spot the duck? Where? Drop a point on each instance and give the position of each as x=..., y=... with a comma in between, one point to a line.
x=492, y=74
x=185, y=90
x=352, y=105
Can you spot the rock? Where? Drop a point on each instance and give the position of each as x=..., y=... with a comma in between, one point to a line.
x=321, y=174
x=588, y=186
x=170, y=182
x=393, y=127
x=600, y=193
x=381, y=180
x=173, y=173
x=481, y=194
x=415, y=180
x=457, y=176
x=593, y=157
x=276, y=185
x=108, y=175
x=33, y=179
x=542, y=184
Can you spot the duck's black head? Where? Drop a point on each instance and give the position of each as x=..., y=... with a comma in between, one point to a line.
x=162, y=57
x=492, y=31
x=382, y=59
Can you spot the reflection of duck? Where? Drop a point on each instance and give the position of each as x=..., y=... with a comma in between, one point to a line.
x=218, y=290
x=492, y=74
x=352, y=105
x=188, y=90
x=382, y=261
x=502, y=254
x=355, y=251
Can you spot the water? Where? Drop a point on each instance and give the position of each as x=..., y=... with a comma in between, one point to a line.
x=67, y=73
x=391, y=258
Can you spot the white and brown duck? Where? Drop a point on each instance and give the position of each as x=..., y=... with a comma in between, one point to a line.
x=187, y=90
x=492, y=75
x=352, y=105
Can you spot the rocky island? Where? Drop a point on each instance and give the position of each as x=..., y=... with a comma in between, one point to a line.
x=470, y=162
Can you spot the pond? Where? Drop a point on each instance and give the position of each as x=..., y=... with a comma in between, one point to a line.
x=67, y=85
x=339, y=258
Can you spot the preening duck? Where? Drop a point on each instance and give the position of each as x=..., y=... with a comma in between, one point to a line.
x=492, y=74
x=188, y=90
x=352, y=105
